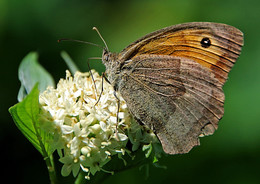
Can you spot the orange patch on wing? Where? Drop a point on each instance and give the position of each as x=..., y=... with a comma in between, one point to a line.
x=187, y=43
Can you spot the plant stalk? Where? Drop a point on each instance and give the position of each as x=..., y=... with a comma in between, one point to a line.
x=51, y=169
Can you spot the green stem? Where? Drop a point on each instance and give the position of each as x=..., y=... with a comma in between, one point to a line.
x=80, y=178
x=51, y=169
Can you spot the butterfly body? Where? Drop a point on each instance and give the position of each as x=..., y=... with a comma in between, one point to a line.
x=172, y=80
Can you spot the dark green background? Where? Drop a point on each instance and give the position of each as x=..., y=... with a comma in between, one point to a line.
x=231, y=155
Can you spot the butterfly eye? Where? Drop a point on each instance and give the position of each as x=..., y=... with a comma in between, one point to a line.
x=205, y=42
x=106, y=57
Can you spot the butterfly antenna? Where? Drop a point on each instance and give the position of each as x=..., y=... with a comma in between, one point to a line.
x=80, y=41
x=94, y=28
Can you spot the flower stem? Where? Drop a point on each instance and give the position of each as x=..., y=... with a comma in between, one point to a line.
x=80, y=178
x=51, y=169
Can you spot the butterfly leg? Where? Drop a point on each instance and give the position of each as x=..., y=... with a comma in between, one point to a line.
x=102, y=87
x=92, y=77
x=117, y=117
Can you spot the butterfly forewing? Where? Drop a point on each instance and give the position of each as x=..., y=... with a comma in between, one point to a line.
x=185, y=40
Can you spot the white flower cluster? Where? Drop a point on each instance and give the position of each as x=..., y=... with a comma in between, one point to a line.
x=86, y=132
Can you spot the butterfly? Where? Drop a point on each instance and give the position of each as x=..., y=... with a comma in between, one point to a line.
x=172, y=80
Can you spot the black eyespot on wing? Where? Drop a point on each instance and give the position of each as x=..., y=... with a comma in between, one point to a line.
x=205, y=42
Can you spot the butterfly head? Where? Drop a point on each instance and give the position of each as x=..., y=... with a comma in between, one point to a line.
x=112, y=64
x=108, y=58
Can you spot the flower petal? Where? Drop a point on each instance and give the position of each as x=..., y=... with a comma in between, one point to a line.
x=66, y=129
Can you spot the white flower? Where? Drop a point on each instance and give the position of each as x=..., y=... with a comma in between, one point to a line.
x=88, y=133
x=89, y=130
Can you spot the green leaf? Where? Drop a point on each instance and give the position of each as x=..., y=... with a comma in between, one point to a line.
x=148, y=150
x=30, y=72
x=25, y=115
x=70, y=63
x=155, y=159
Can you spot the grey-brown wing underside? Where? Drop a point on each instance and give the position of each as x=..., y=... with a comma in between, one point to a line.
x=176, y=97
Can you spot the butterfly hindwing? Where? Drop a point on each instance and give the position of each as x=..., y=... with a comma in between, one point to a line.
x=177, y=98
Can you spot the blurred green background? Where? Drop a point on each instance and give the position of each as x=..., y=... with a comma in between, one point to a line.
x=231, y=155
